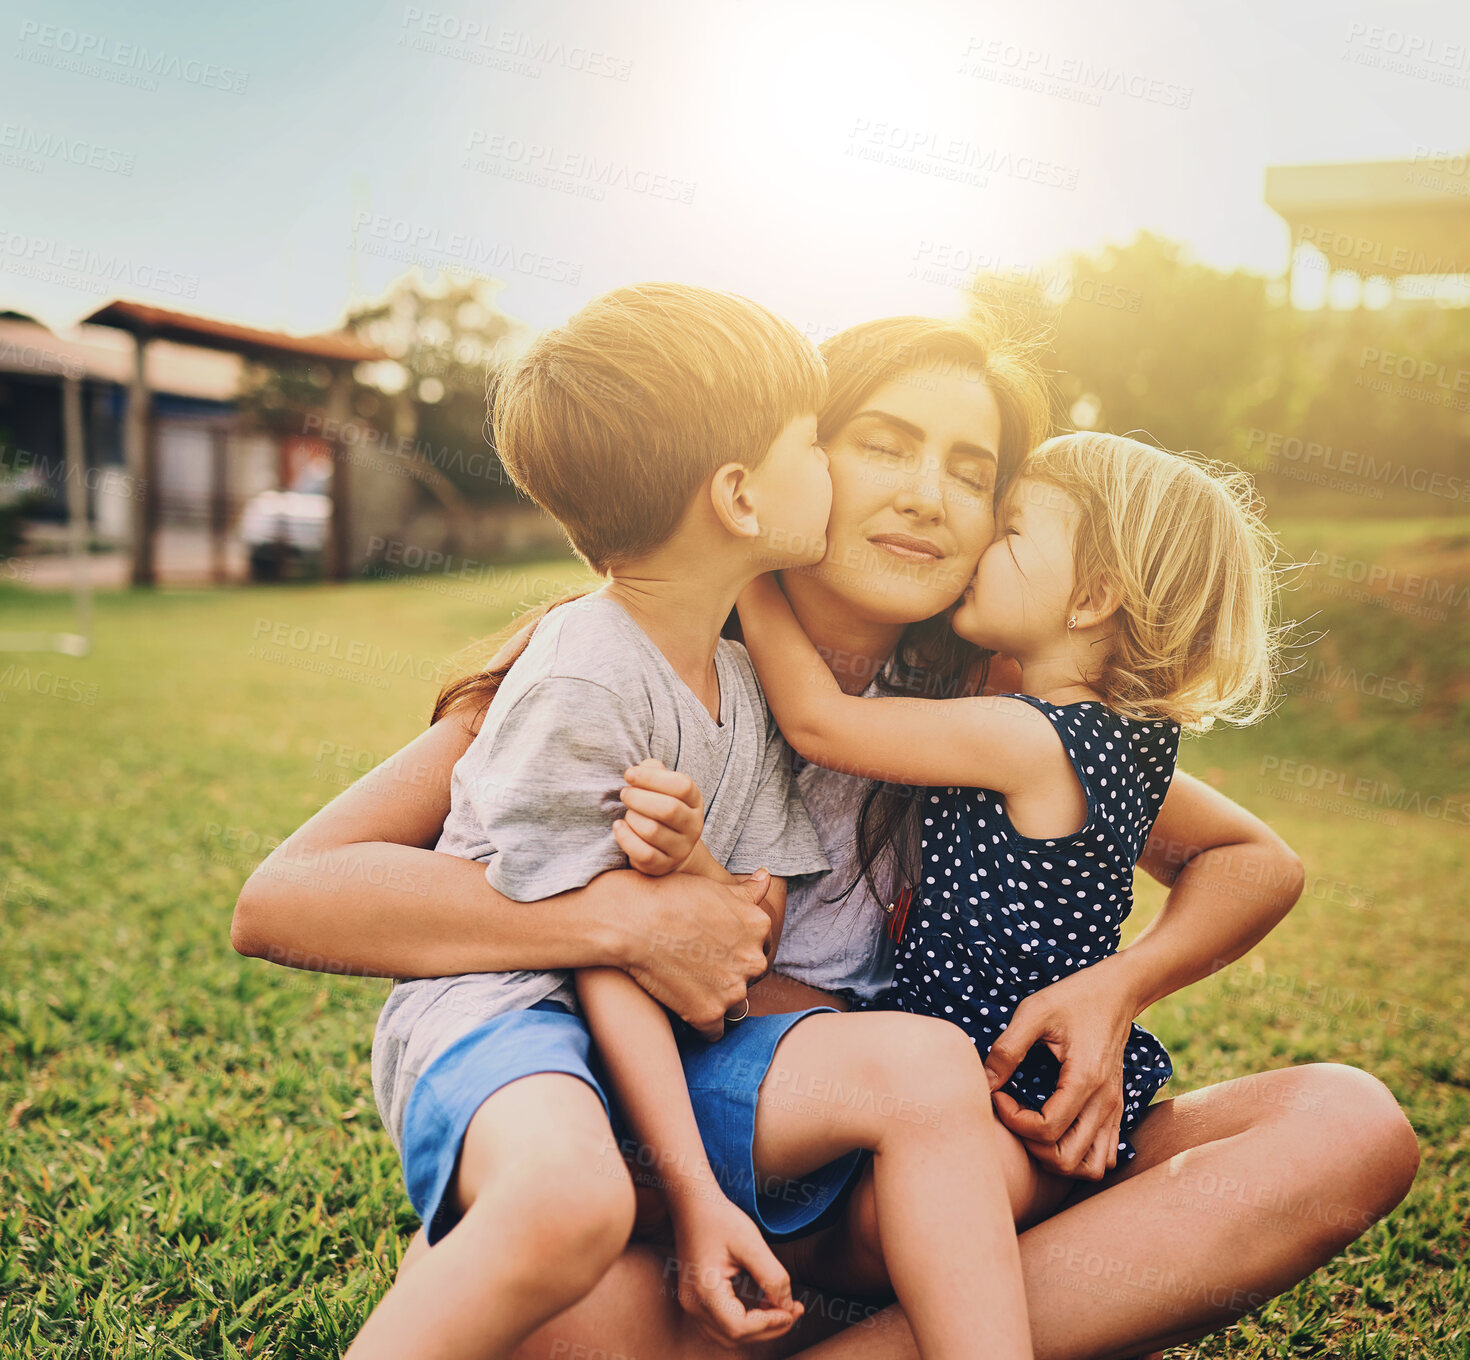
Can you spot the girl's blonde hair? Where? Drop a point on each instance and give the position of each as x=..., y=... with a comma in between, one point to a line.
x=1182, y=543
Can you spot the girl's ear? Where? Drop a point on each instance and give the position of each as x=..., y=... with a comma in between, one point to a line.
x=734, y=506
x=1094, y=604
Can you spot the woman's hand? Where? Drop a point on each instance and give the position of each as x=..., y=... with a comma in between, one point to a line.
x=1085, y=1020
x=717, y=1242
x=699, y=944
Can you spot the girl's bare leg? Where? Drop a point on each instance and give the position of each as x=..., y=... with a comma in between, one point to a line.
x=849, y=1256
x=912, y=1090
x=1177, y=1236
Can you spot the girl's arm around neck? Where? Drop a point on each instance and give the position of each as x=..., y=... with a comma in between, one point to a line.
x=994, y=742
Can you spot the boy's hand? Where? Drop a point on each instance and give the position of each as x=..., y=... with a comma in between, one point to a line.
x=716, y=1243
x=664, y=821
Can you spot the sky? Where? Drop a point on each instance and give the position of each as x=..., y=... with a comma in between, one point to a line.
x=270, y=163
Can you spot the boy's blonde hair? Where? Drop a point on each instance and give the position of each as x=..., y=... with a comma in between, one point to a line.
x=1182, y=542
x=613, y=421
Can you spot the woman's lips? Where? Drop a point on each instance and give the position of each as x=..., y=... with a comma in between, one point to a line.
x=907, y=548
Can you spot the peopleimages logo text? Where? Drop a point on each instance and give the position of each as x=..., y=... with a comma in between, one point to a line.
x=107, y=51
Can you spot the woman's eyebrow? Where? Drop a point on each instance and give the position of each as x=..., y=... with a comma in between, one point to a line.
x=916, y=432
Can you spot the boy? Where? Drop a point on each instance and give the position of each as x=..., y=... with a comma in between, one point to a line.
x=672, y=432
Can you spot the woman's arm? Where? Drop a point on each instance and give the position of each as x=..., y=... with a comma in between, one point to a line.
x=664, y=826
x=1231, y=879
x=357, y=890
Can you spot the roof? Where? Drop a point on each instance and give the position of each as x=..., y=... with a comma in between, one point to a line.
x=206, y=332
x=1386, y=218
x=29, y=349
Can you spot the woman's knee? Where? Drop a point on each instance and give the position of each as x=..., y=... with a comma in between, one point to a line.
x=1352, y=1152
x=1383, y=1146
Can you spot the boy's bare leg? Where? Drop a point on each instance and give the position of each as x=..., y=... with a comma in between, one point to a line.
x=912, y=1090
x=548, y=1207
x=417, y=1250
x=651, y=1220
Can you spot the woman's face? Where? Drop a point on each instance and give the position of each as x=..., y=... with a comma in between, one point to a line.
x=913, y=481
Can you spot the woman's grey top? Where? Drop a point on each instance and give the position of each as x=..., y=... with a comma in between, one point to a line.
x=839, y=946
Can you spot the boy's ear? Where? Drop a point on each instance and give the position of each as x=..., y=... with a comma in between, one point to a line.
x=1094, y=604
x=730, y=494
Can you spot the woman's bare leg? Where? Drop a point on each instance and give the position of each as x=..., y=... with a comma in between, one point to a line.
x=1237, y=1192
x=1325, y=1148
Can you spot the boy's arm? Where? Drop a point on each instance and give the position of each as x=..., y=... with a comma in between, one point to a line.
x=993, y=743
x=642, y=1059
x=662, y=826
x=715, y=1239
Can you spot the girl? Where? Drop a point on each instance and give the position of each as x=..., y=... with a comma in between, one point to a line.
x=1132, y=587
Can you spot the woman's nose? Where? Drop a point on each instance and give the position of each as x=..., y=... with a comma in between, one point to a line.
x=920, y=495
x=919, y=504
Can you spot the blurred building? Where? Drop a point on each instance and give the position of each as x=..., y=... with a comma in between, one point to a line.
x=1394, y=220
x=142, y=405
x=193, y=405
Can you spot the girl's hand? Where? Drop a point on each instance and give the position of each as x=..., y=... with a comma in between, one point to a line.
x=661, y=829
x=1085, y=1020
x=717, y=1242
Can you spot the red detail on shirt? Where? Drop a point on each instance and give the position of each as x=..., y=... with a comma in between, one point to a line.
x=900, y=914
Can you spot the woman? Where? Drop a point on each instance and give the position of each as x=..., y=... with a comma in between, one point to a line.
x=1140, y=1256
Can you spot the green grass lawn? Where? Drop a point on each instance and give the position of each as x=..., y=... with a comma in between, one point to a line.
x=190, y=1162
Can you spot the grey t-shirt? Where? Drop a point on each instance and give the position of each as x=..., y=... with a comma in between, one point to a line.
x=842, y=945
x=535, y=796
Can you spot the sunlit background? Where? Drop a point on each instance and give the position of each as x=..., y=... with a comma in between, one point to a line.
x=281, y=186
x=257, y=263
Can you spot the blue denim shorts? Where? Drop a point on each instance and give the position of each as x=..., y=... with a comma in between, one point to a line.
x=724, y=1081
x=546, y=1037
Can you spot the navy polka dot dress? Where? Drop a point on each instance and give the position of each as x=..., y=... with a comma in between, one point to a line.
x=999, y=915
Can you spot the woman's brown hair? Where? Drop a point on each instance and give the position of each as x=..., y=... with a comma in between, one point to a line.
x=930, y=660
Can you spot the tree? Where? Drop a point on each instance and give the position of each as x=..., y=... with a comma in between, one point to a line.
x=425, y=406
